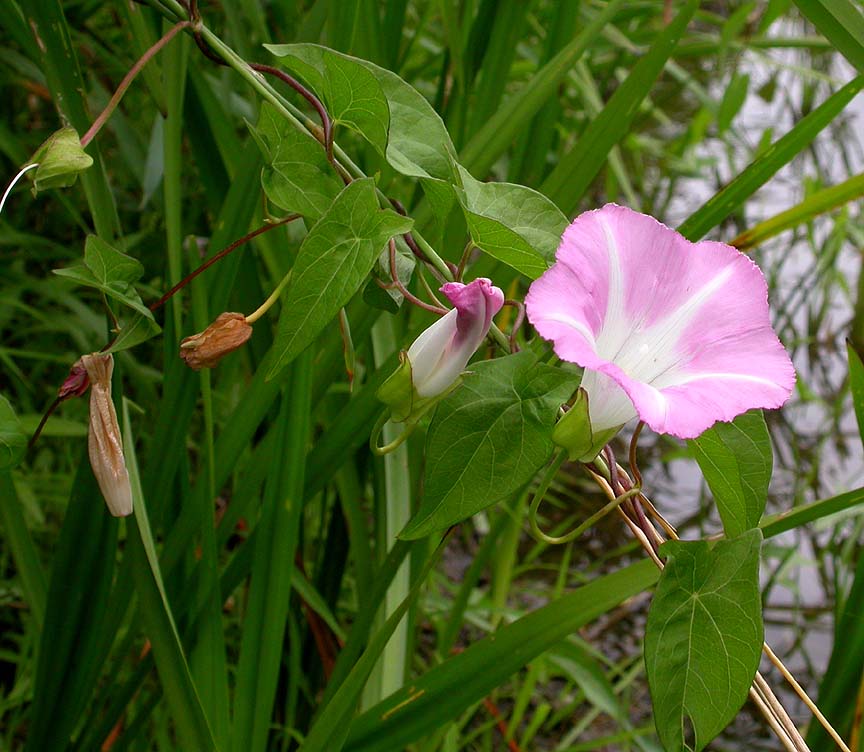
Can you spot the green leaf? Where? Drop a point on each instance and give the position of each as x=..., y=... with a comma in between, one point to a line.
x=139, y=329
x=703, y=637
x=389, y=298
x=351, y=93
x=332, y=263
x=736, y=459
x=512, y=223
x=402, y=125
x=110, y=271
x=110, y=267
x=297, y=176
x=578, y=168
x=13, y=440
x=418, y=144
x=443, y=693
x=733, y=100
x=842, y=23
x=488, y=438
x=61, y=159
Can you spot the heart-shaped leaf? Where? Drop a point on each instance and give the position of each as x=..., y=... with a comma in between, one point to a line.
x=736, y=459
x=333, y=262
x=489, y=438
x=703, y=638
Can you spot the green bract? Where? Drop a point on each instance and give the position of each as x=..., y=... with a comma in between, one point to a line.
x=61, y=158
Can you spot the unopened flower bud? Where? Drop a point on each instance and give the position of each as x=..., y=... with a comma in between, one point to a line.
x=441, y=352
x=436, y=359
x=228, y=332
x=103, y=441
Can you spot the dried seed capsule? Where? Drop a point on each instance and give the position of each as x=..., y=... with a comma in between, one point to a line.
x=228, y=332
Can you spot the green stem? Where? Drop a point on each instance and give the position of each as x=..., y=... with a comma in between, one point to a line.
x=545, y=482
x=267, y=304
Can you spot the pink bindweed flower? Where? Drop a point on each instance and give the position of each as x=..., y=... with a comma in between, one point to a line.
x=442, y=351
x=675, y=332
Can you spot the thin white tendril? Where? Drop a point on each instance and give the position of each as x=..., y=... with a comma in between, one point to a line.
x=14, y=181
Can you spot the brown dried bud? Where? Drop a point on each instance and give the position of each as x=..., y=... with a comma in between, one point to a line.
x=228, y=332
x=103, y=441
x=76, y=382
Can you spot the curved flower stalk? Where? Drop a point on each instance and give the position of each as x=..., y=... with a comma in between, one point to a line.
x=436, y=359
x=675, y=332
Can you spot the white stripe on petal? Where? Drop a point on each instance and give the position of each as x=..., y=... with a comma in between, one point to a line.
x=616, y=326
x=657, y=355
x=679, y=379
x=575, y=324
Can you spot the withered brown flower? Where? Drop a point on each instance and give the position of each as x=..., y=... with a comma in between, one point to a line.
x=76, y=382
x=104, y=443
x=204, y=350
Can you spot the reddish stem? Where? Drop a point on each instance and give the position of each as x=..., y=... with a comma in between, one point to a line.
x=517, y=324
x=326, y=123
x=399, y=286
x=492, y=709
x=219, y=256
x=127, y=80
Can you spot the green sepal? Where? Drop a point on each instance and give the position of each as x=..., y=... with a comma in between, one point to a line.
x=397, y=392
x=573, y=432
x=60, y=158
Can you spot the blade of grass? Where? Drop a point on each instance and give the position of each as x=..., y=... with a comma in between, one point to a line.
x=841, y=23
x=396, y=492
x=279, y=528
x=780, y=153
x=207, y=658
x=69, y=658
x=842, y=679
x=577, y=168
x=446, y=690
x=814, y=205
x=332, y=724
x=505, y=34
x=157, y=618
x=807, y=513
x=24, y=552
x=529, y=160
x=498, y=132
